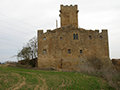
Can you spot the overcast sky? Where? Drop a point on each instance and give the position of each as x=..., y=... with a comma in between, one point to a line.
x=20, y=20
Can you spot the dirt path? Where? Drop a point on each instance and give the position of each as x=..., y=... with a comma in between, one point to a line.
x=39, y=86
x=63, y=83
x=44, y=85
x=66, y=81
x=19, y=84
x=36, y=88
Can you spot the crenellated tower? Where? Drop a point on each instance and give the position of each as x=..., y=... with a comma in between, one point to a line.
x=70, y=47
x=69, y=15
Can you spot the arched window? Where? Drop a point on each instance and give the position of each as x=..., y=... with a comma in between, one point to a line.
x=75, y=36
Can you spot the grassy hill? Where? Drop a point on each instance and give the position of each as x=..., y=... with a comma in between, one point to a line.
x=24, y=79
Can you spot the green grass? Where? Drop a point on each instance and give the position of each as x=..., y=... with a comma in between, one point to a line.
x=25, y=79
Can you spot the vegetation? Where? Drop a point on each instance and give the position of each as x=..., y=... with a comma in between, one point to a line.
x=29, y=51
x=104, y=69
x=25, y=79
x=59, y=80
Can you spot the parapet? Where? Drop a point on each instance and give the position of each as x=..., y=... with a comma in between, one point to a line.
x=96, y=30
x=48, y=30
x=66, y=6
x=104, y=31
x=40, y=32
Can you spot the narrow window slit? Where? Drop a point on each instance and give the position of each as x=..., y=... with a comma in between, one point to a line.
x=74, y=36
x=80, y=51
x=89, y=36
x=60, y=38
x=69, y=51
x=44, y=51
x=100, y=36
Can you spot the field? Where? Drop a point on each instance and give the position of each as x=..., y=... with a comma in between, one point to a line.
x=12, y=78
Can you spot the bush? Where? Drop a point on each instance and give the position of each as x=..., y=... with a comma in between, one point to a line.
x=97, y=67
x=95, y=63
x=31, y=62
x=111, y=75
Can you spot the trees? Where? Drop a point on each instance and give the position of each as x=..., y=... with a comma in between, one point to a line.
x=29, y=51
x=33, y=44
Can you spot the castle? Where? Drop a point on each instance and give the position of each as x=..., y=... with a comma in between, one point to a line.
x=69, y=47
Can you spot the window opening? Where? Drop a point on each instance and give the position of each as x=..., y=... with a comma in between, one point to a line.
x=44, y=51
x=60, y=38
x=76, y=36
x=90, y=37
x=69, y=51
x=100, y=36
x=80, y=51
x=44, y=38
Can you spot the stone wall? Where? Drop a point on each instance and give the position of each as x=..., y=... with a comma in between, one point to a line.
x=69, y=47
x=69, y=15
x=54, y=46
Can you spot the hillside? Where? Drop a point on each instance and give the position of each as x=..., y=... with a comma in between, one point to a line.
x=24, y=79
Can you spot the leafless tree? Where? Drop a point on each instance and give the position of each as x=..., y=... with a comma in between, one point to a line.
x=29, y=51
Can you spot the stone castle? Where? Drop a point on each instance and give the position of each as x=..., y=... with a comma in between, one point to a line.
x=69, y=47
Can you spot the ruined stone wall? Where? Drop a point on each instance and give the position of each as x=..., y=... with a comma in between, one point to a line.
x=53, y=47
x=69, y=15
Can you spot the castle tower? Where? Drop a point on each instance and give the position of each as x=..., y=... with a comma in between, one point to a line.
x=69, y=15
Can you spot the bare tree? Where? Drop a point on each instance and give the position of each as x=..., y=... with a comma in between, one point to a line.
x=25, y=53
x=33, y=44
x=29, y=51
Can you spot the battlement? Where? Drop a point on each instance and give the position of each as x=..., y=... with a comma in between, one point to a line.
x=68, y=6
x=40, y=32
x=48, y=30
x=70, y=47
x=104, y=30
x=96, y=30
x=67, y=9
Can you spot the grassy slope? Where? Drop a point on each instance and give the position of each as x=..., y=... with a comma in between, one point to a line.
x=24, y=79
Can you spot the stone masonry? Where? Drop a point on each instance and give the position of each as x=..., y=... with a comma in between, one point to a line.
x=69, y=15
x=68, y=47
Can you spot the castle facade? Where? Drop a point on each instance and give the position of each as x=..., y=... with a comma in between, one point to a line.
x=69, y=47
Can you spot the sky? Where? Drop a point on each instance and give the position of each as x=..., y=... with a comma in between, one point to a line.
x=20, y=20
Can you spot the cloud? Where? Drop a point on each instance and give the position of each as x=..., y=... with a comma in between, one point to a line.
x=20, y=20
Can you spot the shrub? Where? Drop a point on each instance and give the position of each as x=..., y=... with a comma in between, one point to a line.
x=101, y=68
x=95, y=63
